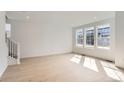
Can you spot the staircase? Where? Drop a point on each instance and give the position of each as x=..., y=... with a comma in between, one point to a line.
x=13, y=52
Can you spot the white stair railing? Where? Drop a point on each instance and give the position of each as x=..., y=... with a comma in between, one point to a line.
x=13, y=52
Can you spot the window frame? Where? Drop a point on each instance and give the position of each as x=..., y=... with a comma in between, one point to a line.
x=103, y=26
x=85, y=35
x=77, y=31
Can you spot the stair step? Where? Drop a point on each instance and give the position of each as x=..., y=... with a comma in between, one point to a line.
x=11, y=60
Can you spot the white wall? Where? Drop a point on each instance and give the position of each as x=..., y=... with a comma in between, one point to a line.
x=39, y=38
x=3, y=47
x=48, y=33
x=97, y=52
x=119, y=59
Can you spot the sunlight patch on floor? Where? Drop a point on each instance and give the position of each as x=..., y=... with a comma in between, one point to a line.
x=90, y=64
x=112, y=71
x=76, y=59
x=109, y=65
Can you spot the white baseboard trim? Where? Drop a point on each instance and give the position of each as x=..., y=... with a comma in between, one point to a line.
x=3, y=71
x=47, y=54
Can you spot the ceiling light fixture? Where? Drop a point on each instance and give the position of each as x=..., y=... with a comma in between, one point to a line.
x=27, y=17
x=95, y=17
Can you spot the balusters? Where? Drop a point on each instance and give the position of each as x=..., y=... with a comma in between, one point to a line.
x=13, y=50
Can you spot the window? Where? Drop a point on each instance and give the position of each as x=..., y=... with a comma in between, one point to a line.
x=95, y=36
x=79, y=37
x=103, y=36
x=89, y=37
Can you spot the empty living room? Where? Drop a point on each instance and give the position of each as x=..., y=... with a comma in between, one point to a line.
x=61, y=46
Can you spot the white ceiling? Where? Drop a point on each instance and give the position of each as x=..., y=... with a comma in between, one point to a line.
x=71, y=17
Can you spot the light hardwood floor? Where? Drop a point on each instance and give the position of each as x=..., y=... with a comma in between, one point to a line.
x=63, y=68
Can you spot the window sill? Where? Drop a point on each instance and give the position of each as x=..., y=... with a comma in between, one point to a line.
x=89, y=47
x=106, y=48
x=79, y=46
